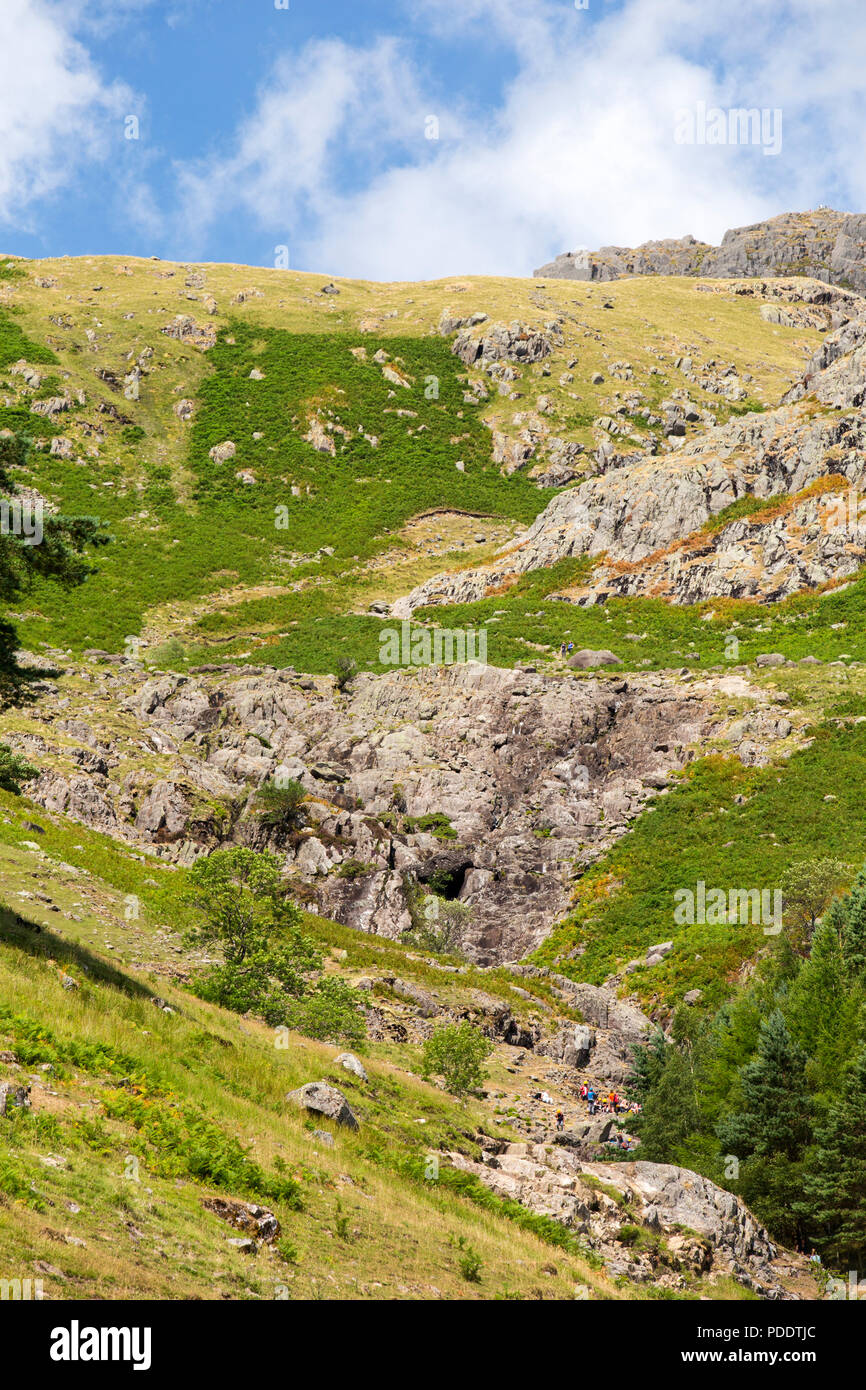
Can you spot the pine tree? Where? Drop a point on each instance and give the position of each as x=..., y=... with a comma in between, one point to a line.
x=835, y=1188
x=774, y=1119
x=670, y=1115
x=854, y=931
x=647, y=1064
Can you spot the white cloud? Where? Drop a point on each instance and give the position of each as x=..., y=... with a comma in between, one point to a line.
x=54, y=106
x=580, y=151
x=320, y=116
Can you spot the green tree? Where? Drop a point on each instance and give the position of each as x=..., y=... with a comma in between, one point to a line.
x=670, y=1113
x=279, y=804
x=457, y=1053
x=437, y=924
x=14, y=770
x=854, y=929
x=330, y=1011
x=269, y=966
x=835, y=1188
x=648, y=1062
x=59, y=556
x=774, y=1118
x=807, y=890
x=240, y=896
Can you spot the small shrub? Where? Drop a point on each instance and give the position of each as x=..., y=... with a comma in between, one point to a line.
x=170, y=653
x=341, y=1223
x=353, y=868
x=468, y=1260
x=280, y=805
x=345, y=671
x=457, y=1053
x=14, y=770
x=435, y=823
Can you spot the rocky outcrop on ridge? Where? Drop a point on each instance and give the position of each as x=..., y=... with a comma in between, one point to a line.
x=822, y=243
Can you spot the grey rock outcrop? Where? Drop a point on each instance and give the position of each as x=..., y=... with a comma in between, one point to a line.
x=706, y=1229
x=349, y=1062
x=502, y=343
x=822, y=243
x=463, y=742
x=322, y=1099
x=651, y=525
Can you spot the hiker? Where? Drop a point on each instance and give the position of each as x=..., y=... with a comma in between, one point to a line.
x=560, y=1120
x=590, y=1096
x=583, y=1090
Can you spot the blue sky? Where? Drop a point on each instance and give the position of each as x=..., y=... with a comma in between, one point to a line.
x=310, y=126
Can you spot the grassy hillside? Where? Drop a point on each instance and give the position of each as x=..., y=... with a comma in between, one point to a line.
x=725, y=824
x=141, y=1114
x=203, y=554
x=269, y=465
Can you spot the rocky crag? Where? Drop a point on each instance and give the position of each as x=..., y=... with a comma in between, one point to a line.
x=822, y=243
x=656, y=526
x=697, y=1226
x=529, y=777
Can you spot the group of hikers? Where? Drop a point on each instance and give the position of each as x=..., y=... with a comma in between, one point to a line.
x=566, y=648
x=606, y=1103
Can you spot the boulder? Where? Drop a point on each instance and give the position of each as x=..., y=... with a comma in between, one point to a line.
x=589, y=1132
x=349, y=1062
x=245, y=1216
x=321, y=1099
x=587, y=659
x=663, y=949
x=13, y=1096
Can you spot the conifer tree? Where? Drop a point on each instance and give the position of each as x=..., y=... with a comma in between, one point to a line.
x=835, y=1187
x=774, y=1118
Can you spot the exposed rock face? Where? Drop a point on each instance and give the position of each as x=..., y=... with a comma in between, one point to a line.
x=186, y=330
x=823, y=243
x=649, y=518
x=602, y=1046
x=502, y=343
x=501, y=754
x=722, y=1236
